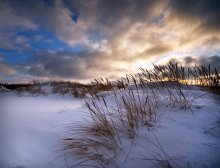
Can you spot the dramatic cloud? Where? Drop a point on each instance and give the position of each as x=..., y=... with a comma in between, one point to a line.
x=206, y=11
x=188, y=61
x=83, y=39
x=63, y=64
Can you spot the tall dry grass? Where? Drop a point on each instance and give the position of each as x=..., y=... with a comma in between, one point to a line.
x=118, y=109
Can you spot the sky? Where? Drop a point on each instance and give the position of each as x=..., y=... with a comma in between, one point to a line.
x=86, y=39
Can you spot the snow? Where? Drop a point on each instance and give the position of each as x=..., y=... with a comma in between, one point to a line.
x=31, y=127
x=3, y=89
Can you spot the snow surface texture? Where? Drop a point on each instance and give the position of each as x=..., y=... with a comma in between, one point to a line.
x=31, y=128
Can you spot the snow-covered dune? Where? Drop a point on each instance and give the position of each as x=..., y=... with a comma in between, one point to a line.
x=31, y=127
